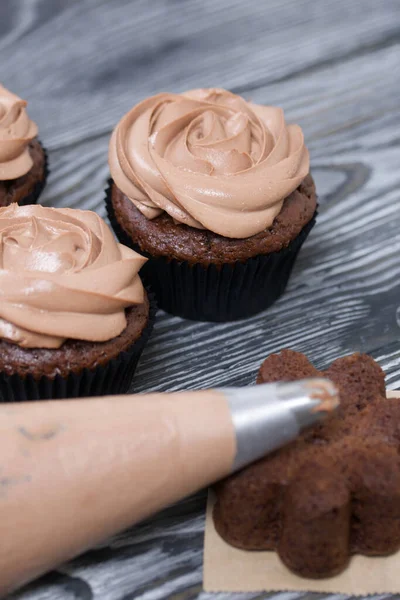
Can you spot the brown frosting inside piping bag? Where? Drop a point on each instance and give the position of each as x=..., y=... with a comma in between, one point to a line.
x=16, y=131
x=209, y=159
x=63, y=275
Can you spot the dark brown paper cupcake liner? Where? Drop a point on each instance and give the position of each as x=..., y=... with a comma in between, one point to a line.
x=113, y=378
x=33, y=196
x=210, y=293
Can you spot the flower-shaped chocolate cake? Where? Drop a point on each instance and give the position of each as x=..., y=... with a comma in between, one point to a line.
x=332, y=493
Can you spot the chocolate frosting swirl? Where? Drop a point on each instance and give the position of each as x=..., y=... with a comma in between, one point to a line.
x=209, y=159
x=16, y=131
x=63, y=275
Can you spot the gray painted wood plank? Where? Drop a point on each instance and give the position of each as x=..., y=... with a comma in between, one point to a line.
x=334, y=67
x=125, y=50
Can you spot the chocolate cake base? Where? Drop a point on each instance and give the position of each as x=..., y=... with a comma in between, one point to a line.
x=210, y=289
x=27, y=189
x=162, y=237
x=333, y=492
x=77, y=368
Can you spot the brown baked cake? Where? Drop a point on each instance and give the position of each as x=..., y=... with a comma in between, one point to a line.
x=162, y=236
x=74, y=316
x=216, y=192
x=74, y=355
x=23, y=161
x=333, y=492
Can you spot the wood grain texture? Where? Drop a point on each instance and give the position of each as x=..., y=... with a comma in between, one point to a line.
x=334, y=67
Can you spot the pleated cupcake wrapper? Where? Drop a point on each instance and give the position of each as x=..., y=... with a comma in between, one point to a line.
x=215, y=293
x=113, y=378
x=33, y=196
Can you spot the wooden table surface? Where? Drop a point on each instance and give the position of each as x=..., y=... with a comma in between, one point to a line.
x=334, y=68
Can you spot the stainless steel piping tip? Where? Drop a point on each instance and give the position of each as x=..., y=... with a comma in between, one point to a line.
x=270, y=415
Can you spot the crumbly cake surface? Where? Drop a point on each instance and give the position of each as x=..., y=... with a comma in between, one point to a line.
x=163, y=237
x=333, y=492
x=74, y=355
x=16, y=190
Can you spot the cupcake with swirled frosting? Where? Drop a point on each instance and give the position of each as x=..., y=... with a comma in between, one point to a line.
x=23, y=160
x=216, y=192
x=74, y=316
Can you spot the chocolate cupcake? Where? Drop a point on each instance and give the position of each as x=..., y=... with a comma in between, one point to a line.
x=74, y=316
x=23, y=160
x=216, y=192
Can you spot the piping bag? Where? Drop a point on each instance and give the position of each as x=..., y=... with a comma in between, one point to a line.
x=76, y=472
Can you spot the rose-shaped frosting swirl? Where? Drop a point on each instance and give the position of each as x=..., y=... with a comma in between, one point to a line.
x=63, y=275
x=16, y=131
x=209, y=159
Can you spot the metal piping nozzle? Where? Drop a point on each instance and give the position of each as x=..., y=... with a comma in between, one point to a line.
x=270, y=415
